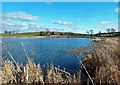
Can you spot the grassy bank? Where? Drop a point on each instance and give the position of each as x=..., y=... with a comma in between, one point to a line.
x=29, y=34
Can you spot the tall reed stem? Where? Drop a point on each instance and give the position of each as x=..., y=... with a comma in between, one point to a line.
x=84, y=68
x=8, y=52
x=62, y=71
x=24, y=50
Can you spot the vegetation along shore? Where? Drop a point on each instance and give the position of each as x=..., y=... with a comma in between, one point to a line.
x=44, y=34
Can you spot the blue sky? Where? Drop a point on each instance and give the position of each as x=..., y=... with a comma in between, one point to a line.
x=77, y=17
x=61, y=0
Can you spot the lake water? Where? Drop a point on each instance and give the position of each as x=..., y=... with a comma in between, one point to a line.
x=46, y=50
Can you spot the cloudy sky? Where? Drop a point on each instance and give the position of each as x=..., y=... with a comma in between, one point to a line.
x=77, y=17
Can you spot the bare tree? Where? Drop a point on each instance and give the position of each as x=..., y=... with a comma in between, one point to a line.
x=108, y=30
x=91, y=31
x=99, y=34
x=113, y=30
x=88, y=32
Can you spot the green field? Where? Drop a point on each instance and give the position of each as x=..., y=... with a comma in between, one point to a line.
x=29, y=34
x=43, y=34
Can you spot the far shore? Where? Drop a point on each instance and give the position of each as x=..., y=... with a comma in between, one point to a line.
x=46, y=37
x=57, y=35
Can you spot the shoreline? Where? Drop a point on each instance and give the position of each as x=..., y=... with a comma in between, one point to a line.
x=48, y=37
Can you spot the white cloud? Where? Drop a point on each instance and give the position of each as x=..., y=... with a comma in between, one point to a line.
x=105, y=22
x=12, y=24
x=23, y=16
x=59, y=22
x=49, y=2
x=116, y=0
x=16, y=21
x=108, y=26
x=117, y=10
x=78, y=19
x=48, y=27
x=9, y=25
x=35, y=26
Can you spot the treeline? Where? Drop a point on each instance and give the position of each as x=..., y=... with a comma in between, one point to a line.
x=68, y=34
x=109, y=33
x=10, y=32
x=113, y=34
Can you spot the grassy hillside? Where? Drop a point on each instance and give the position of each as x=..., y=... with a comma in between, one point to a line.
x=43, y=34
x=20, y=34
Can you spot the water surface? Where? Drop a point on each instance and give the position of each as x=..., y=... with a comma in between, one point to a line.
x=46, y=50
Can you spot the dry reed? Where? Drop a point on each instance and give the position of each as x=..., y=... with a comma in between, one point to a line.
x=103, y=63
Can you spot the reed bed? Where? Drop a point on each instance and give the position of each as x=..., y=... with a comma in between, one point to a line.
x=32, y=74
x=102, y=61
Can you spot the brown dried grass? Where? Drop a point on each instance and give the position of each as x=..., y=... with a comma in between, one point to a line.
x=103, y=63
x=32, y=74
